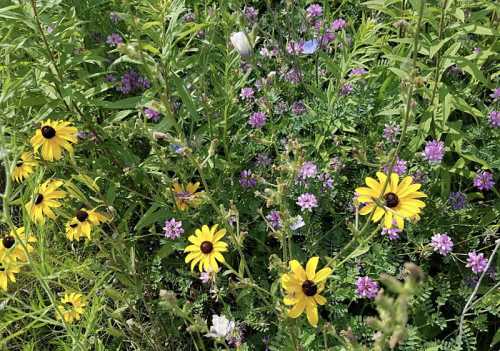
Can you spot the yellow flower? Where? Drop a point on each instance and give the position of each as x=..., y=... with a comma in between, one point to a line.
x=52, y=137
x=8, y=269
x=24, y=167
x=81, y=225
x=71, y=307
x=44, y=200
x=206, y=249
x=303, y=288
x=13, y=244
x=399, y=200
x=188, y=196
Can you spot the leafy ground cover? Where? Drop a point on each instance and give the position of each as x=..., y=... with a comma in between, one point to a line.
x=250, y=175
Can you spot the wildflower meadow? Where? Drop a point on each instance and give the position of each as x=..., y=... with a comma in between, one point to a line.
x=270, y=175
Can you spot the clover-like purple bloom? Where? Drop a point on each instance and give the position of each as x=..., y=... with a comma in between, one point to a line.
x=152, y=114
x=247, y=179
x=358, y=72
x=391, y=233
x=366, y=287
x=274, y=218
x=298, y=108
x=391, y=131
x=314, y=10
x=434, y=151
x=495, y=95
x=114, y=39
x=399, y=167
x=346, y=89
x=494, y=119
x=338, y=24
x=250, y=13
x=442, y=243
x=257, y=119
x=173, y=229
x=476, y=262
x=457, y=200
x=247, y=93
x=484, y=180
x=308, y=170
x=307, y=202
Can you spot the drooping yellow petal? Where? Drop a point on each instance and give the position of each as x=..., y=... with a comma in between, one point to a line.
x=296, y=268
x=311, y=267
x=297, y=310
x=312, y=312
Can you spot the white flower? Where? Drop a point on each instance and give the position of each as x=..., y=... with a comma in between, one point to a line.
x=221, y=327
x=241, y=43
x=297, y=222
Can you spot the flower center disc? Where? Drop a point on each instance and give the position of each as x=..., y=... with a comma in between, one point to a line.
x=309, y=288
x=39, y=199
x=82, y=215
x=206, y=247
x=48, y=132
x=8, y=241
x=391, y=200
x=19, y=163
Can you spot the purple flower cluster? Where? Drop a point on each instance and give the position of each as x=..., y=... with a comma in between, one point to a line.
x=250, y=13
x=457, y=200
x=114, y=39
x=247, y=179
x=399, y=168
x=263, y=160
x=494, y=119
x=295, y=47
x=298, y=108
x=366, y=287
x=247, y=93
x=442, y=243
x=274, y=218
x=308, y=170
x=173, y=229
x=293, y=76
x=391, y=233
x=269, y=53
x=132, y=82
x=338, y=24
x=484, y=180
x=391, y=131
x=307, y=202
x=257, y=120
x=314, y=10
x=356, y=72
x=327, y=181
x=336, y=164
x=476, y=262
x=152, y=115
x=346, y=89
x=114, y=17
x=434, y=151
x=495, y=95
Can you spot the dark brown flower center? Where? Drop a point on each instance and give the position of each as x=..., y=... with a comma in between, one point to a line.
x=391, y=200
x=206, y=247
x=73, y=225
x=82, y=215
x=8, y=241
x=48, y=132
x=39, y=199
x=309, y=288
x=2, y=269
x=19, y=163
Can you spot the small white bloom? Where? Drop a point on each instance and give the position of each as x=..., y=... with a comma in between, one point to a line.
x=241, y=43
x=297, y=222
x=221, y=327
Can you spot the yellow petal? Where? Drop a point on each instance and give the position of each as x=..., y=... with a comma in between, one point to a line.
x=297, y=310
x=322, y=274
x=298, y=270
x=320, y=300
x=312, y=312
x=311, y=267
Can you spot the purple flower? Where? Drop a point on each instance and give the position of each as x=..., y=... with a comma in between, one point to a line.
x=250, y=13
x=434, y=151
x=114, y=39
x=281, y=107
x=494, y=119
x=262, y=160
x=293, y=76
x=110, y=78
x=366, y=287
x=132, y=82
x=50, y=29
x=307, y=202
x=247, y=179
x=310, y=46
x=114, y=17
x=173, y=229
x=399, y=167
x=419, y=177
x=338, y=24
x=457, y=200
x=274, y=218
x=294, y=47
x=391, y=233
x=391, y=131
x=152, y=115
x=189, y=17
x=314, y=10
x=358, y=72
x=336, y=164
x=495, y=95
x=257, y=119
x=442, y=243
x=484, y=180
x=246, y=93
x=298, y=108
x=266, y=52
x=308, y=170
x=476, y=262
x=345, y=89
x=477, y=50
x=327, y=180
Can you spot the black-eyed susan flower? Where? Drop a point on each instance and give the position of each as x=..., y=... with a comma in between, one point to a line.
x=46, y=197
x=24, y=167
x=52, y=137
x=206, y=248
x=8, y=269
x=71, y=307
x=398, y=202
x=17, y=244
x=303, y=289
x=81, y=225
x=186, y=196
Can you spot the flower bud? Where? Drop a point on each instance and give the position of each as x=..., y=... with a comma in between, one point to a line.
x=240, y=42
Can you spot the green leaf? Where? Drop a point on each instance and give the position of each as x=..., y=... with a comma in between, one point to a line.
x=154, y=214
x=127, y=103
x=166, y=250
